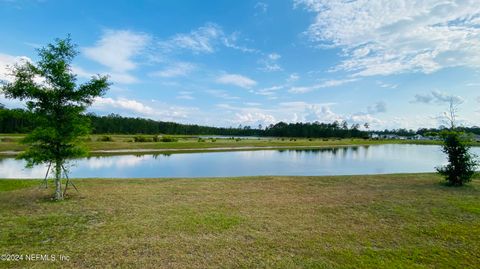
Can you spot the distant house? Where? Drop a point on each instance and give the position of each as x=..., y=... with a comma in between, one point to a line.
x=374, y=136
x=476, y=138
x=418, y=137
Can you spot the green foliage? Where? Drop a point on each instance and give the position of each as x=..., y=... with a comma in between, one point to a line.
x=141, y=139
x=167, y=138
x=106, y=138
x=461, y=163
x=56, y=104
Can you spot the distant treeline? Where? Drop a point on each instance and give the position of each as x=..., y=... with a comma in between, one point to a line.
x=426, y=131
x=22, y=121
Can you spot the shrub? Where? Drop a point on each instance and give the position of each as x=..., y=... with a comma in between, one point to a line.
x=213, y=139
x=140, y=138
x=168, y=139
x=106, y=138
x=461, y=163
x=201, y=139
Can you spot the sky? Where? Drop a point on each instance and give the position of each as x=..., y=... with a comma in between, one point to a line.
x=389, y=63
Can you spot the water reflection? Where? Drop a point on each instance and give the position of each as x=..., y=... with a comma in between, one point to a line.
x=320, y=161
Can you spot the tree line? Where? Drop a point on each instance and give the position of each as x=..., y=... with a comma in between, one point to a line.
x=427, y=131
x=23, y=121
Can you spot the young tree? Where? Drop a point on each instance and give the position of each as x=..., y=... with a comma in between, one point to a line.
x=461, y=163
x=57, y=103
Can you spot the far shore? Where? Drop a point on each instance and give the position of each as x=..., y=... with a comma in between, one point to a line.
x=123, y=144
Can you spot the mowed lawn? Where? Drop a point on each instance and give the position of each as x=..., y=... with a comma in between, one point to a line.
x=383, y=221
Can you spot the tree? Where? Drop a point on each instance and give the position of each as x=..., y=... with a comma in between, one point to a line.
x=451, y=114
x=57, y=105
x=461, y=163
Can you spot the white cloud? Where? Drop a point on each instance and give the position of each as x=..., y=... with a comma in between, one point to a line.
x=204, y=39
x=117, y=48
x=437, y=97
x=186, y=95
x=261, y=7
x=123, y=78
x=123, y=103
x=230, y=41
x=324, y=84
x=387, y=85
x=222, y=94
x=201, y=40
x=296, y=111
x=269, y=91
x=387, y=37
x=254, y=118
x=175, y=70
x=236, y=80
x=270, y=62
x=7, y=62
x=293, y=77
x=161, y=111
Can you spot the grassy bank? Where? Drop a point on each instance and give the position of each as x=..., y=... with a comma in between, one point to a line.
x=397, y=221
x=126, y=142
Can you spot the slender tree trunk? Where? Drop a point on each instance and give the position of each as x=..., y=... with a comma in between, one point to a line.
x=58, y=181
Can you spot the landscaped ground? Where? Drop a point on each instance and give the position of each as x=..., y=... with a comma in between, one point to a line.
x=390, y=221
x=10, y=142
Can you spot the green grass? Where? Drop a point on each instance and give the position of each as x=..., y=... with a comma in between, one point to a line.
x=11, y=184
x=382, y=221
x=125, y=142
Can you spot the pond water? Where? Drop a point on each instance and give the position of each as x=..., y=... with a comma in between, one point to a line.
x=377, y=159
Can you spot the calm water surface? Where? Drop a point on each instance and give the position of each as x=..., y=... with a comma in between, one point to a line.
x=378, y=159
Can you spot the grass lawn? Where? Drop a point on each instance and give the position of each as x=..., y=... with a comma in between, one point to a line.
x=125, y=142
x=382, y=221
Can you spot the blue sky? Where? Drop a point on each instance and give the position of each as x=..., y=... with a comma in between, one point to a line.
x=393, y=64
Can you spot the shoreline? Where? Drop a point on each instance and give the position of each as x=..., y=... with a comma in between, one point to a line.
x=128, y=151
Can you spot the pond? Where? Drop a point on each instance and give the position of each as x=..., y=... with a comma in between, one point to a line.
x=377, y=159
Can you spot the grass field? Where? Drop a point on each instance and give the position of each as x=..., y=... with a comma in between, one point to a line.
x=125, y=142
x=382, y=221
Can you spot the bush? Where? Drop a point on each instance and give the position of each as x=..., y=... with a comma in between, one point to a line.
x=461, y=163
x=106, y=138
x=168, y=139
x=141, y=139
x=201, y=139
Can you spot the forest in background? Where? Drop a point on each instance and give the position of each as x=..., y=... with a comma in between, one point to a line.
x=22, y=121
